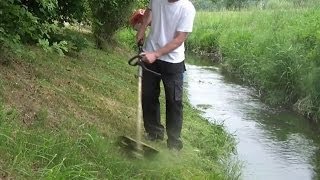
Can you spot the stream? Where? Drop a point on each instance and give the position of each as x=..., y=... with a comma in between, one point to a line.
x=272, y=144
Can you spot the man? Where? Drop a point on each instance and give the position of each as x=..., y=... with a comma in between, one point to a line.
x=171, y=21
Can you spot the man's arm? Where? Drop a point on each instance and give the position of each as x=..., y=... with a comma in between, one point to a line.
x=151, y=57
x=146, y=21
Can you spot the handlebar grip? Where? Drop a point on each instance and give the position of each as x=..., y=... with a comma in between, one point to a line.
x=140, y=45
x=134, y=61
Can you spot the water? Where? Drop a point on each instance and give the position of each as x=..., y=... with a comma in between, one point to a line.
x=272, y=143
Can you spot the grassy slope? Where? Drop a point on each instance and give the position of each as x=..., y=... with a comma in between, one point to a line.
x=60, y=118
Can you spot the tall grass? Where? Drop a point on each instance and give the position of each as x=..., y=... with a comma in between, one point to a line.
x=276, y=51
x=288, y=4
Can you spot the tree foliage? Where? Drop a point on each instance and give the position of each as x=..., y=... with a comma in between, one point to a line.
x=42, y=21
x=24, y=21
x=71, y=10
x=108, y=17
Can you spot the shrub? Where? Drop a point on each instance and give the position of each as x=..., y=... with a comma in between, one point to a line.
x=40, y=21
x=108, y=17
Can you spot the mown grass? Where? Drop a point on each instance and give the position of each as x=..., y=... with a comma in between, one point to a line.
x=276, y=51
x=60, y=118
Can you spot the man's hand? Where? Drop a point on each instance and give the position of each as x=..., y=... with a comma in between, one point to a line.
x=149, y=57
x=140, y=37
x=143, y=27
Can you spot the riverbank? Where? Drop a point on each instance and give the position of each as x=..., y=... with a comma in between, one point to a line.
x=268, y=138
x=275, y=51
x=60, y=117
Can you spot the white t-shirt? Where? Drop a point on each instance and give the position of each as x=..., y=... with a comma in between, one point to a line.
x=167, y=19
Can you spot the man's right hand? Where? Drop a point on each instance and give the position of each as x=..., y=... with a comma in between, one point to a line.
x=140, y=37
x=141, y=32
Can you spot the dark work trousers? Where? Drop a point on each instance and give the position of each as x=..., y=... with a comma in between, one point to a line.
x=172, y=78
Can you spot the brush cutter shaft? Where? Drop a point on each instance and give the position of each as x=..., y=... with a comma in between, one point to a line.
x=139, y=109
x=137, y=145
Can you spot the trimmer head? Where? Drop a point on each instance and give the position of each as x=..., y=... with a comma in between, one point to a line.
x=131, y=146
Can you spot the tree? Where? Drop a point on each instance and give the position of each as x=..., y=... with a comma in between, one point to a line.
x=42, y=21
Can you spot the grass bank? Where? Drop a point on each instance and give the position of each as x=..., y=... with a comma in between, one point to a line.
x=60, y=118
x=276, y=51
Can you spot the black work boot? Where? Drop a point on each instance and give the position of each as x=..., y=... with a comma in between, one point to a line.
x=154, y=137
x=174, y=145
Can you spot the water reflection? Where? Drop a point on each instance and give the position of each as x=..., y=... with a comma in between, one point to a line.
x=273, y=144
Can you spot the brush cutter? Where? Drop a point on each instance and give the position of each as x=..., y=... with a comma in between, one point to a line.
x=135, y=146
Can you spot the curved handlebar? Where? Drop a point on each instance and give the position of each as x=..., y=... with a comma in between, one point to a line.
x=134, y=61
x=137, y=60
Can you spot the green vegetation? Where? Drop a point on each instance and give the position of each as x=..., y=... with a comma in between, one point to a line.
x=238, y=5
x=276, y=51
x=60, y=117
x=104, y=27
x=43, y=22
x=39, y=22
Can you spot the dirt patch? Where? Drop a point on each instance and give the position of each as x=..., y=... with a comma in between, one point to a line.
x=20, y=90
x=23, y=92
x=4, y=175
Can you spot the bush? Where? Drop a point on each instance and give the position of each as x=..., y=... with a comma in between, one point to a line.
x=64, y=41
x=40, y=21
x=108, y=17
x=22, y=18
